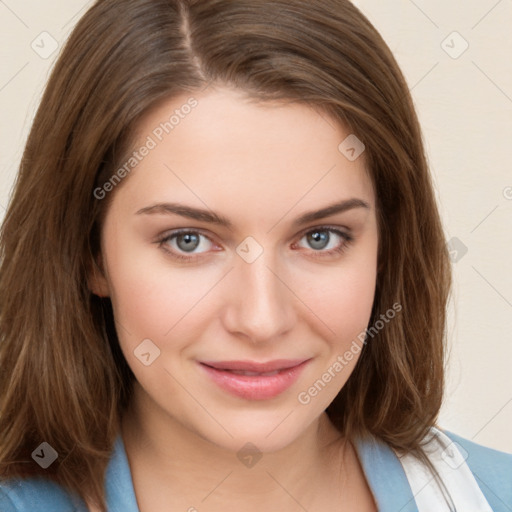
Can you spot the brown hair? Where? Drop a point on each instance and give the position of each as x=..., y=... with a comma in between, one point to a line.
x=63, y=379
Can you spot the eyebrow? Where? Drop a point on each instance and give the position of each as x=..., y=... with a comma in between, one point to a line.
x=214, y=218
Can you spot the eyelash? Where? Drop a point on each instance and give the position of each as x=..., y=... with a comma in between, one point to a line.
x=347, y=240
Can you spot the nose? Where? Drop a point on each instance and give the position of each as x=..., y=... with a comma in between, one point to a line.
x=259, y=304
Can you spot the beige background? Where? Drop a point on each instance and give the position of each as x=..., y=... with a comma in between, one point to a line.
x=464, y=101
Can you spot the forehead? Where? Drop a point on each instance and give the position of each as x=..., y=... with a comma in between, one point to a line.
x=221, y=148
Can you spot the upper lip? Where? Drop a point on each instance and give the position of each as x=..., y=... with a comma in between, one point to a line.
x=254, y=366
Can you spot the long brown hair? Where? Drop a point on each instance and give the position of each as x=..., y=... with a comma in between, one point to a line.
x=63, y=378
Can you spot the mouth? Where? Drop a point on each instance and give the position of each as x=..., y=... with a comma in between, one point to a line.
x=252, y=380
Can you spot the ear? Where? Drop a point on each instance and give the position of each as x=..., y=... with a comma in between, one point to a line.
x=96, y=280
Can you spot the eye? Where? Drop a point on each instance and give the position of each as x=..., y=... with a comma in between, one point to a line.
x=326, y=241
x=183, y=242
x=187, y=245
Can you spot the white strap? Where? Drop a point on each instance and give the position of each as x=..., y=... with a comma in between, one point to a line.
x=449, y=459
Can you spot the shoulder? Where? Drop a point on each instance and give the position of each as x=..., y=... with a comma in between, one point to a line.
x=491, y=468
x=399, y=482
x=42, y=495
x=36, y=495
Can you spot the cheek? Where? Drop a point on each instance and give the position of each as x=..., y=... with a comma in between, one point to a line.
x=342, y=304
x=344, y=307
x=341, y=297
x=150, y=296
x=150, y=302
x=351, y=295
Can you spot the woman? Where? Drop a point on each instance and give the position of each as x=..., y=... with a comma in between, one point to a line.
x=224, y=275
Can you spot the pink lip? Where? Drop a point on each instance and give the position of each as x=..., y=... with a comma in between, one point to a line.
x=255, y=387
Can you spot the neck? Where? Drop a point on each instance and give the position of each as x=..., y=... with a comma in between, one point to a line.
x=192, y=469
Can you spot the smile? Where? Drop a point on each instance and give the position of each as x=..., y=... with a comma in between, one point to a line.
x=254, y=381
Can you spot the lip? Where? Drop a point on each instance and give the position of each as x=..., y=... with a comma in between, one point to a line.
x=255, y=387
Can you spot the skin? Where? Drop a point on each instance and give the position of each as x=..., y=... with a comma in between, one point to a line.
x=260, y=165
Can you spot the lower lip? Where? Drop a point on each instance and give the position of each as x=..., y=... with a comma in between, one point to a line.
x=257, y=387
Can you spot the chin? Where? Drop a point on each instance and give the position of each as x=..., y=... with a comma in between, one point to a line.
x=268, y=431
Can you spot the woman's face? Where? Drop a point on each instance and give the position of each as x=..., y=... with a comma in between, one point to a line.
x=214, y=257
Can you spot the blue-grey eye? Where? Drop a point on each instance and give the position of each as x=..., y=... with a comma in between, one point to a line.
x=187, y=242
x=323, y=240
x=318, y=239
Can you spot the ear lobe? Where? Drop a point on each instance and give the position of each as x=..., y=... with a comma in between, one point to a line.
x=96, y=280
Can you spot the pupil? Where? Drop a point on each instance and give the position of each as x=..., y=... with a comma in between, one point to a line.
x=319, y=239
x=190, y=240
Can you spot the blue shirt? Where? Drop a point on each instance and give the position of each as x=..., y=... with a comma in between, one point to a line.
x=492, y=470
